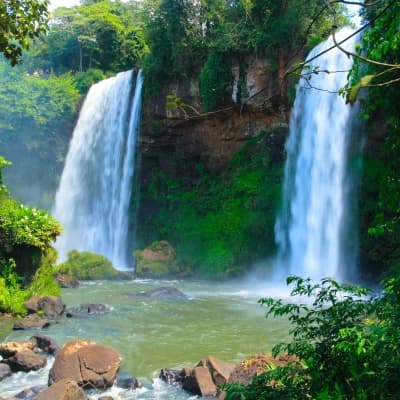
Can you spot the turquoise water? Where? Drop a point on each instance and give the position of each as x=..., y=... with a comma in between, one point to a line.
x=222, y=319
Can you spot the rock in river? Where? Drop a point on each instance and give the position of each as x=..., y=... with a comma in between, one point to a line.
x=87, y=363
x=163, y=293
x=26, y=360
x=65, y=389
x=31, y=321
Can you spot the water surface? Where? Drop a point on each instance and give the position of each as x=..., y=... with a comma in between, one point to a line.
x=222, y=319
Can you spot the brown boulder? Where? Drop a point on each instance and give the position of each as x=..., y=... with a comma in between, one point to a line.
x=87, y=363
x=67, y=281
x=31, y=321
x=26, y=360
x=245, y=371
x=220, y=370
x=8, y=349
x=52, y=306
x=65, y=389
x=200, y=382
x=32, y=304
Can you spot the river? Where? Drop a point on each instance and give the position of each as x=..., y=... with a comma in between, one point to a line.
x=217, y=318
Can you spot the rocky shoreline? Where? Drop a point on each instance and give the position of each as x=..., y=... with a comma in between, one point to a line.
x=83, y=365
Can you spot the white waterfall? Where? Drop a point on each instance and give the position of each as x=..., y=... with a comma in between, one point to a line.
x=92, y=201
x=310, y=232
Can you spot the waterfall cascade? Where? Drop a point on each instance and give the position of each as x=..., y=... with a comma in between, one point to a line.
x=311, y=229
x=92, y=201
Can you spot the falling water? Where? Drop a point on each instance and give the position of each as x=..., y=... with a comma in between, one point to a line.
x=92, y=201
x=311, y=230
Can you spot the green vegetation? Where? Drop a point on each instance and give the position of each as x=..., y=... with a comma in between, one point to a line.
x=224, y=222
x=102, y=35
x=157, y=261
x=20, y=22
x=379, y=71
x=36, y=116
x=26, y=255
x=88, y=266
x=345, y=345
x=187, y=37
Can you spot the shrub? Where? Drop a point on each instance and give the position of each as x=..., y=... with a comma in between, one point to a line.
x=88, y=266
x=347, y=345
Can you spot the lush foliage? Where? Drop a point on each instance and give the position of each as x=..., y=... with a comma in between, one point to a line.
x=345, y=345
x=88, y=266
x=380, y=196
x=185, y=37
x=21, y=21
x=26, y=256
x=224, y=222
x=36, y=116
x=101, y=35
x=214, y=78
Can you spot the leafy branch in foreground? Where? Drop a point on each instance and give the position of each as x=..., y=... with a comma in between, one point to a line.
x=346, y=345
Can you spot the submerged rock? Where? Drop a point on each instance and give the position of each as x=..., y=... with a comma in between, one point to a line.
x=126, y=381
x=87, y=309
x=163, y=293
x=32, y=321
x=30, y=393
x=26, y=360
x=5, y=371
x=65, y=389
x=172, y=376
x=87, y=363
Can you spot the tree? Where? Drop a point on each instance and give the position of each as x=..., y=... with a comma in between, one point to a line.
x=20, y=21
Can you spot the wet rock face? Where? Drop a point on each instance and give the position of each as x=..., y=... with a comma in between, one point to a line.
x=203, y=379
x=52, y=306
x=65, y=389
x=32, y=321
x=45, y=343
x=67, y=281
x=200, y=382
x=87, y=363
x=26, y=360
x=8, y=349
x=5, y=371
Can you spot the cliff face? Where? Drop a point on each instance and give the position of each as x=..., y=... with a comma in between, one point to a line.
x=192, y=189
x=178, y=137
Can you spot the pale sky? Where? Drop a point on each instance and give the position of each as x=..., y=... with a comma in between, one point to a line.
x=62, y=3
x=69, y=3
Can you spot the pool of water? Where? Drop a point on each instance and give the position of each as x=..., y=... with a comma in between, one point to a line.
x=222, y=319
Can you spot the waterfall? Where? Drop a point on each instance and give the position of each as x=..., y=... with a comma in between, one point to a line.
x=311, y=231
x=92, y=201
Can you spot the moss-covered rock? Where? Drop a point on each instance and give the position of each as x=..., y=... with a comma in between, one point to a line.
x=157, y=260
x=88, y=266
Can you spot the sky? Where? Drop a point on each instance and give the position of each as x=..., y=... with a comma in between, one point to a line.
x=62, y=3
x=69, y=3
